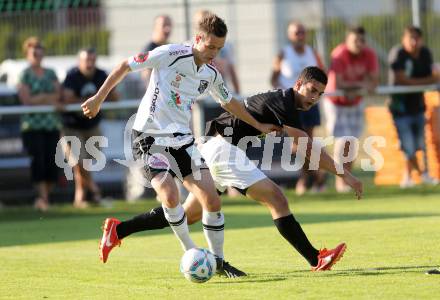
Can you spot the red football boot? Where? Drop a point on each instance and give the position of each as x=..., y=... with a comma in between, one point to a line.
x=327, y=258
x=109, y=238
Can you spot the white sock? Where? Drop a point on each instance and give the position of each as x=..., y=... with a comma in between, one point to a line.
x=177, y=219
x=213, y=227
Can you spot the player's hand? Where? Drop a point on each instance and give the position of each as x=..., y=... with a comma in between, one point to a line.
x=91, y=107
x=354, y=183
x=267, y=128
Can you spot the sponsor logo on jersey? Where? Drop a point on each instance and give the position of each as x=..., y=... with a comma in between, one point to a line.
x=202, y=86
x=141, y=57
x=181, y=104
x=176, y=81
x=178, y=52
x=150, y=118
x=223, y=90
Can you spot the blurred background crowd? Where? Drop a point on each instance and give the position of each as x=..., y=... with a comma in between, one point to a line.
x=55, y=53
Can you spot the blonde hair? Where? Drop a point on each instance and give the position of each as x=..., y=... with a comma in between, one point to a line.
x=31, y=42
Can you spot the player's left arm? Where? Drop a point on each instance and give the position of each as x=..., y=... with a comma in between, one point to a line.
x=221, y=95
x=236, y=108
x=325, y=162
x=92, y=105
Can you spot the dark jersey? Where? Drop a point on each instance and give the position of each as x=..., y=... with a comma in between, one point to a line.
x=275, y=107
x=150, y=46
x=83, y=88
x=400, y=60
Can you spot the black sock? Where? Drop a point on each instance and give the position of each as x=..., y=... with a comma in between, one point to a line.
x=293, y=233
x=154, y=219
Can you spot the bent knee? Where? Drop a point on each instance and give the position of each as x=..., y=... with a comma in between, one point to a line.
x=169, y=199
x=213, y=203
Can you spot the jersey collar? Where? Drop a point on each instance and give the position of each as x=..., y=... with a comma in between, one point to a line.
x=195, y=68
x=289, y=94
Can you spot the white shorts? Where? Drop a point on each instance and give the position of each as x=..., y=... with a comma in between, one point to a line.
x=229, y=165
x=344, y=120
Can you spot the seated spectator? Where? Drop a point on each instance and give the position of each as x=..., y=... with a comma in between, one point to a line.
x=411, y=64
x=40, y=131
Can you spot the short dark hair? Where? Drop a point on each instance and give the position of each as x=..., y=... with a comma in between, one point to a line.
x=88, y=50
x=413, y=29
x=212, y=24
x=313, y=73
x=356, y=30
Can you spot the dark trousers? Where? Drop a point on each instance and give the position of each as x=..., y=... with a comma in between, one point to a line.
x=41, y=147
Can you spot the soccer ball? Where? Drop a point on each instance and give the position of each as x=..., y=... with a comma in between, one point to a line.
x=198, y=265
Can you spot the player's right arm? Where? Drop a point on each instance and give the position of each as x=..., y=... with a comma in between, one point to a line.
x=152, y=59
x=326, y=162
x=92, y=105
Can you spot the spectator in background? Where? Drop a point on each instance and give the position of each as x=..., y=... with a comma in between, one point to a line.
x=411, y=64
x=288, y=64
x=80, y=83
x=353, y=69
x=40, y=131
x=224, y=61
x=162, y=29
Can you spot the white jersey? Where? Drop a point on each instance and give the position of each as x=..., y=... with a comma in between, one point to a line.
x=174, y=85
x=293, y=63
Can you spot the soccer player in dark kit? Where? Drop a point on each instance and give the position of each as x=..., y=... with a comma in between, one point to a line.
x=279, y=107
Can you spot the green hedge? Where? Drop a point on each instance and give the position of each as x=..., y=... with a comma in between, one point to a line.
x=56, y=43
x=385, y=32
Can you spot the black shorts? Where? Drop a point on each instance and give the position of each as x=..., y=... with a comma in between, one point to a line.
x=178, y=161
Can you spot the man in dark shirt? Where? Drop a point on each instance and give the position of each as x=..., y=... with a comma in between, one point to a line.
x=230, y=166
x=80, y=83
x=411, y=64
x=162, y=29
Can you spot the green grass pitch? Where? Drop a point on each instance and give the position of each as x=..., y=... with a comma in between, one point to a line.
x=392, y=236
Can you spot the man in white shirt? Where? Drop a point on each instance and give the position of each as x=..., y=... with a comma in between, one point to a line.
x=288, y=64
x=162, y=138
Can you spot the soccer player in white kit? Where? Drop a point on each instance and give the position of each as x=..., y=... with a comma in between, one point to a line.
x=162, y=138
x=223, y=149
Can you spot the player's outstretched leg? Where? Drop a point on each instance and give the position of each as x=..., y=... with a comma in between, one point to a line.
x=269, y=194
x=151, y=220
